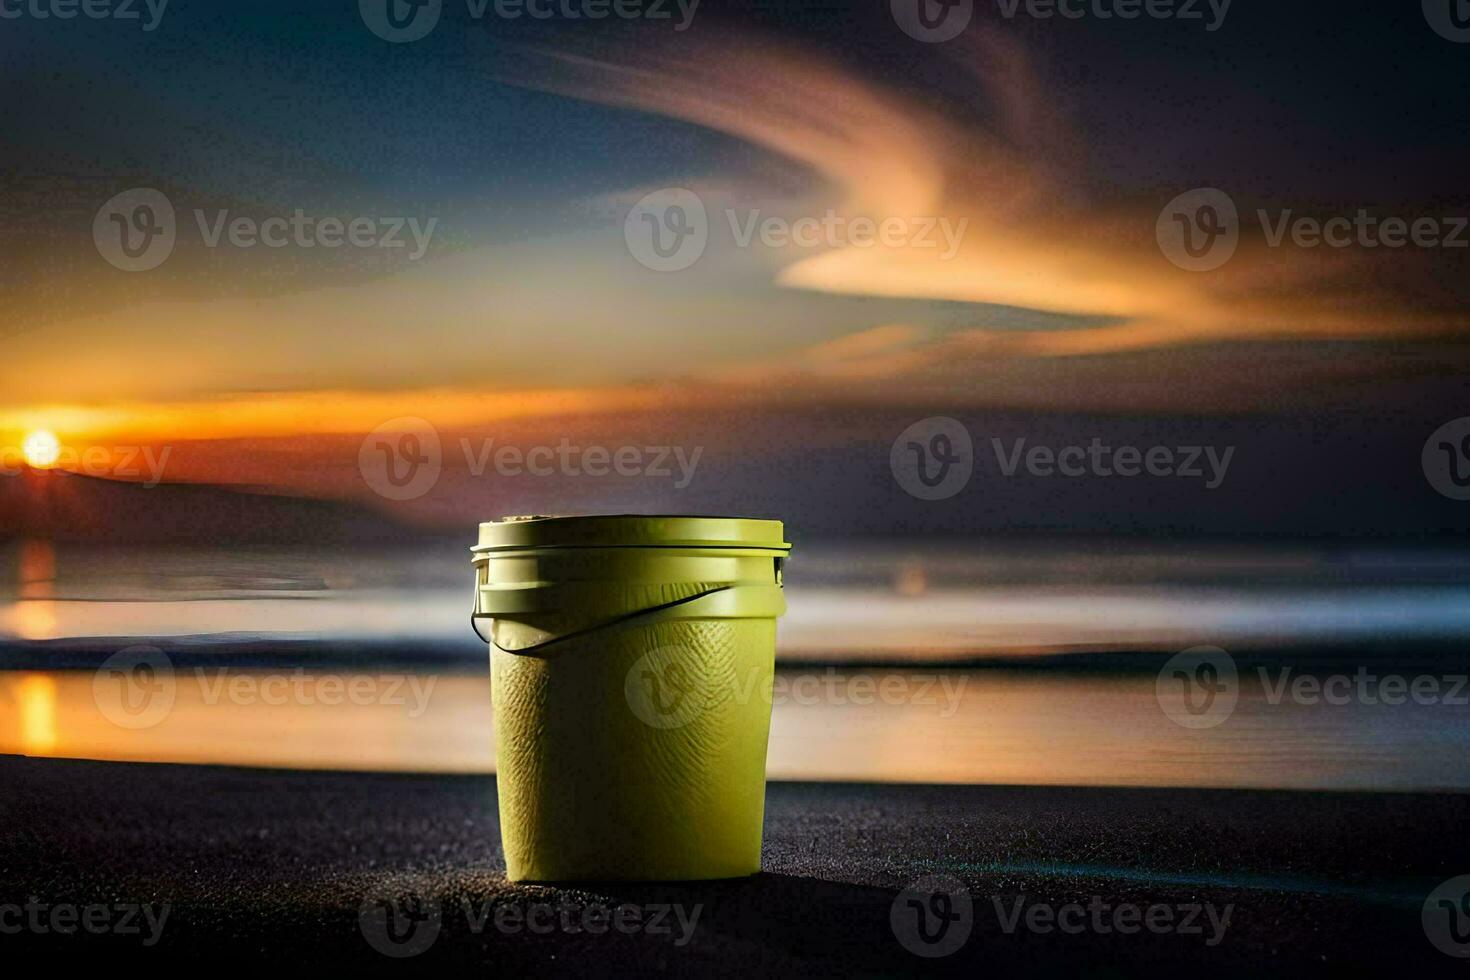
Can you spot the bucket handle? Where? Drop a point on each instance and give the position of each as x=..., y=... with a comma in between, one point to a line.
x=475, y=614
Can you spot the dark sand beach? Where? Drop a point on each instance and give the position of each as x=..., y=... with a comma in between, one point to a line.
x=261, y=868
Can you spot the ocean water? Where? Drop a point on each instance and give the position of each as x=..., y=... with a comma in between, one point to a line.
x=992, y=662
x=866, y=600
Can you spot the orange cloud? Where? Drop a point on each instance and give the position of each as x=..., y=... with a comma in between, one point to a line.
x=1031, y=239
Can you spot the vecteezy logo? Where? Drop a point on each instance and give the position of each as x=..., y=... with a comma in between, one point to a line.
x=933, y=458
x=401, y=459
x=402, y=926
x=1446, y=459
x=667, y=230
x=1446, y=917
x=1199, y=230
x=1198, y=687
x=932, y=917
x=1450, y=19
x=400, y=21
x=663, y=687
x=135, y=687
x=932, y=21
x=135, y=230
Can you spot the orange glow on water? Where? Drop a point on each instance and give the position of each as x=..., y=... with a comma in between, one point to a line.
x=36, y=697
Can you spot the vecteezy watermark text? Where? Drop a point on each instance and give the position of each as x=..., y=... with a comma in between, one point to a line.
x=1448, y=18
x=1210, y=12
x=125, y=462
x=1446, y=917
x=672, y=686
x=1102, y=917
x=588, y=10
x=100, y=918
x=310, y=689
x=934, y=458
x=308, y=231
x=1445, y=459
x=933, y=916
x=401, y=21
x=569, y=459
x=833, y=230
x=1364, y=687
x=123, y=10
x=936, y=21
x=1098, y=458
x=136, y=688
x=1200, y=229
x=668, y=230
x=407, y=925
x=1199, y=687
x=1363, y=230
x=403, y=458
x=673, y=919
x=137, y=230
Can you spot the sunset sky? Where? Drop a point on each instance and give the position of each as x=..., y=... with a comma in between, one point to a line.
x=527, y=142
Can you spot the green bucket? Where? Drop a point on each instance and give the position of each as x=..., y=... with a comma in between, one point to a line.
x=631, y=661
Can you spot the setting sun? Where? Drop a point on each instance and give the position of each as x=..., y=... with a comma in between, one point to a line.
x=41, y=449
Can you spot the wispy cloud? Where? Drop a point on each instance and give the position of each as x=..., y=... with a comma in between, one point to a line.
x=1014, y=175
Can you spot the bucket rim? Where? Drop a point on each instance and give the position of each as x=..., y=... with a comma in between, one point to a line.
x=525, y=533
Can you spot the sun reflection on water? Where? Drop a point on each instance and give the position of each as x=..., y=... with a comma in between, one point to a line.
x=33, y=615
x=35, y=695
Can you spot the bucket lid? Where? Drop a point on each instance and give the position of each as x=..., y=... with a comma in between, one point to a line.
x=630, y=530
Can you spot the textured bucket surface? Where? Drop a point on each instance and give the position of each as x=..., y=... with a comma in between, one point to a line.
x=632, y=692
x=636, y=753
